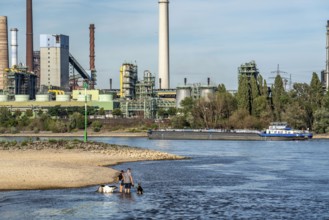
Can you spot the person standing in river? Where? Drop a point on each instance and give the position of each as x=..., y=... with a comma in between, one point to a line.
x=128, y=180
x=120, y=177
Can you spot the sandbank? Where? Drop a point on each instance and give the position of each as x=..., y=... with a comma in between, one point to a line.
x=56, y=165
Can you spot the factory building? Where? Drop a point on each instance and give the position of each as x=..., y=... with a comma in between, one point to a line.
x=20, y=82
x=249, y=69
x=128, y=80
x=36, y=67
x=54, y=61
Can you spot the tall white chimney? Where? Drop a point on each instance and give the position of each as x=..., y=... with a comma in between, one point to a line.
x=164, y=44
x=14, y=45
x=327, y=60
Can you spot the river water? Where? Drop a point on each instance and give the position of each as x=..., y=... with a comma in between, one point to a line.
x=222, y=180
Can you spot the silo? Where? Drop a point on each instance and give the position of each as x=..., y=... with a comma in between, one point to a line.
x=3, y=98
x=207, y=91
x=4, y=62
x=63, y=98
x=106, y=97
x=42, y=98
x=22, y=98
x=182, y=92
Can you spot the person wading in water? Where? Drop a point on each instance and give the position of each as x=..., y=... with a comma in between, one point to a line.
x=128, y=180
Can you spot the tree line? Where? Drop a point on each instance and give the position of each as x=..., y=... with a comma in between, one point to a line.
x=255, y=105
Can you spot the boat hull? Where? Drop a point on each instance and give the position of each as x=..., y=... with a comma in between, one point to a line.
x=281, y=137
x=199, y=135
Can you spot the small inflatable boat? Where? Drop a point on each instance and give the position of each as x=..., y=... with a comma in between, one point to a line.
x=106, y=189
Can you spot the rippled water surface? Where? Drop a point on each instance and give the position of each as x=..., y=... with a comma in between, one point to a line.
x=223, y=179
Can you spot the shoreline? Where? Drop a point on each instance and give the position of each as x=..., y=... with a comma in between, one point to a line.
x=77, y=134
x=54, y=165
x=105, y=134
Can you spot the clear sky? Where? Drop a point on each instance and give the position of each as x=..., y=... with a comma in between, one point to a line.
x=208, y=38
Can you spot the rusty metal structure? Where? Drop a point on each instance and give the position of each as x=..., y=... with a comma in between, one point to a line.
x=29, y=36
x=92, y=55
x=4, y=60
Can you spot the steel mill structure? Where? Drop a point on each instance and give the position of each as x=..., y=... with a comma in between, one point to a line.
x=164, y=79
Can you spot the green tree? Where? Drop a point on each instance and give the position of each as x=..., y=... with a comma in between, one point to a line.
x=243, y=94
x=162, y=113
x=172, y=111
x=77, y=120
x=117, y=112
x=101, y=111
x=254, y=95
x=187, y=104
x=316, y=92
x=279, y=97
x=301, y=94
x=96, y=126
x=17, y=113
x=6, y=118
x=321, y=121
x=29, y=113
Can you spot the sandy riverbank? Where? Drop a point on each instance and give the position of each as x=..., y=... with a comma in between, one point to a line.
x=45, y=165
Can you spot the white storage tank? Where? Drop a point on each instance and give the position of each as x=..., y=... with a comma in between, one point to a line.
x=106, y=97
x=3, y=98
x=81, y=98
x=63, y=98
x=207, y=91
x=182, y=92
x=22, y=98
x=42, y=98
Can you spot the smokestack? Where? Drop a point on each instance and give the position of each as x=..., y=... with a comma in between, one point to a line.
x=160, y=84
x=29, y=35
x=110, y=83
x=14, y=46
x=327, y=58
x=164, y=43
x=208, y=81
x=185, y=81
x=92, y=46
x=92, y=54
x=4, y=63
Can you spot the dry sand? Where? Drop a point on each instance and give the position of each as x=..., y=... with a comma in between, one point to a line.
x=34, y=167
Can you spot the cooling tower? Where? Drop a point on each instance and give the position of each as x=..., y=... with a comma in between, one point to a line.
x=3, y=50
x=164, y=44
x=14, y=45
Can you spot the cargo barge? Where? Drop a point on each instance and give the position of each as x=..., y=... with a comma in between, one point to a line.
x=277, y=131
x=202, y=134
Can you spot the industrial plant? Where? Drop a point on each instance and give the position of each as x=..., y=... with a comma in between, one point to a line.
x=53, y=76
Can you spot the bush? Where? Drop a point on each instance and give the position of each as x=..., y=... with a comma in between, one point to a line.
x=2, y=130
x=96, y=125
x=14, y=130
